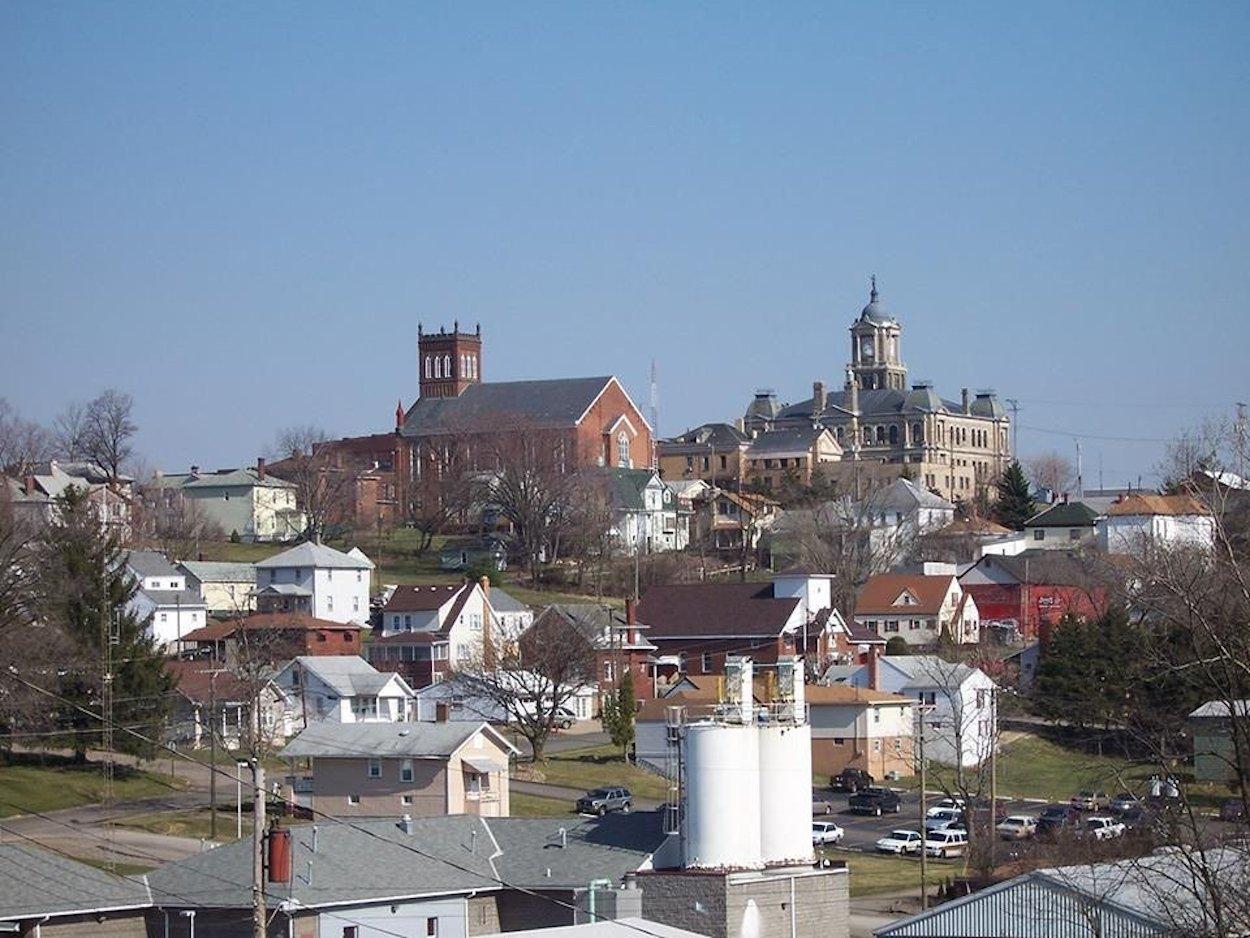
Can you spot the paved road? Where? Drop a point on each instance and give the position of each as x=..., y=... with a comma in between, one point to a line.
x=543, y=790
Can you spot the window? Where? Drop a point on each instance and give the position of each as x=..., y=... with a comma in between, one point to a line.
x=405, y=799
x=360, y=576
x=876, y=715
x=375, y=768
x=893, y=435
x=705, y=662
x=330, y=603
x=462, y=651
x=914, y=625
x=353, y=799
x=982, y=693
x=350, y=931
x=446, y=366
x=355, y=604
x=689, y=462
x=607, y=671
x=405, y=771
x=839, y=740
x=475, y=622
x=1074, y=534
x=428, y=367
x=164, y=616
x=1039, y=534
x=892, y=626
x=431, y=928
x=724, y=462
x=622, y=450
x=438, y=367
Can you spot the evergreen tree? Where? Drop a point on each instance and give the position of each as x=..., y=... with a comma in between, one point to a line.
x=1014, y=505
x=84, y=590
x=617, y=713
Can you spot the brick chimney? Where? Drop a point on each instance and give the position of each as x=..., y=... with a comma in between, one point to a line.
x=260, y=468
x=399, y=415
x=30, y=485
x=485, y=584
x=874, y=668
x=967, y=406
x=820, y=400
x=631, y=612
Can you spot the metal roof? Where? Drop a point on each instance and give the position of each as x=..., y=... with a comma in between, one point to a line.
x=385, y=740
x=146, y=563
x=218, y=571
x=558, y=402
x=309, y=554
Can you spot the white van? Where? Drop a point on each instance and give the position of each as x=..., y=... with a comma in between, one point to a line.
x=950, y=842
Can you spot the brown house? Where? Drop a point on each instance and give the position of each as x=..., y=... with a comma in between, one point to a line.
x=283, y=635
x=392, y=769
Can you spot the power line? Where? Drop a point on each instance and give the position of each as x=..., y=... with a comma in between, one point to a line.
x=1096, y=436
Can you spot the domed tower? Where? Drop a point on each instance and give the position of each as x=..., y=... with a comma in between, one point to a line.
x=876, y=347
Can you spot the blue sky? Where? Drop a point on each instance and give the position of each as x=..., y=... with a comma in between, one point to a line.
x=239, y=213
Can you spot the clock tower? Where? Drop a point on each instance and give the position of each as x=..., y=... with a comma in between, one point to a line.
x=875, y=348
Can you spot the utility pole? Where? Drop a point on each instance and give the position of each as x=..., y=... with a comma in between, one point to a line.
x=1239, y=426
x=924, y=865
x=993, y=775
x=107, y=629
x=259, y=913
x=212, y=754
x=1080, y=478
x=1015, y=427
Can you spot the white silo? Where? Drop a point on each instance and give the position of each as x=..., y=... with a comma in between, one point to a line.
x=785, y=804
x=721, y=829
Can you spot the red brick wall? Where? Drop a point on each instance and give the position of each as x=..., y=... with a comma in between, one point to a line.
x=1043, y=602
x=612, y=403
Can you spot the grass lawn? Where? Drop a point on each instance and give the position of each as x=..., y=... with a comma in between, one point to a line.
x=121, y=869
x=25, y=788
x=525, y=805
x=194, y=822
x=594, y=766
x=876, y=873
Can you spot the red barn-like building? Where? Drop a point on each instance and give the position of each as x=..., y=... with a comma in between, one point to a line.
x=1033, y=587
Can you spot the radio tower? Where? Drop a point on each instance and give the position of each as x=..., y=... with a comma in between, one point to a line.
x=108, y=629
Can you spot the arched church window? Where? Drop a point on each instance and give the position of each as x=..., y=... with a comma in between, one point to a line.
x=428, y=366
x=893, y=435
x=446, y=366
x=881, y=435
x=868, y=436
x=438, y=367
x=917, y=432
x=622, y=450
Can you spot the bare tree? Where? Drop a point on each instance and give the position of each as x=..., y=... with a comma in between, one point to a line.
x=109, y=431
x=586, y=526
x=172, y=523
x=1050, y=470
x=445, y=492
x=23, y=443
x=70, y=431
x=529, y=680
x=323, y=488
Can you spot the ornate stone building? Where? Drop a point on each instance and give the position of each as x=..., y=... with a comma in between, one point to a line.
x=956, y=448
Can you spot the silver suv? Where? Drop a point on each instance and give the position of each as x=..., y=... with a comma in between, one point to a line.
x=602, y=800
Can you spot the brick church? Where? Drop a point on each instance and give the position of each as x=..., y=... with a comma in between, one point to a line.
x=584, y=421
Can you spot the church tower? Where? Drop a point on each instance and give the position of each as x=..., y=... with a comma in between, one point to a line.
x=448, y=362
x=876, y=348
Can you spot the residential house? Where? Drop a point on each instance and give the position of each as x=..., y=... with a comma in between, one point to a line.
x=386, y=877
x=1062, y=526
x=227, y=588
x=790, y=456
x=344, y=689
x=905, y=507
x=586, y=422
x=211, y=698
x=368, y=474
x=34, y=495
x=1169, y=892
x=711, y=453
x=921, y=609
x=725, y=516
x=460, y=698
x=644, y=512
x=318, y=581
x=248, y=502
x=277, y=636
x=1215, y=751
x=963, y=540
x=473, y=553
x=418, y=769
x=162, y=600
x=1141, y=522
x=48, y=895
x=512, y=616
x=1015, y=594
x=430, y=630
x=959, y=719
x=620, y=643
x=695, y=625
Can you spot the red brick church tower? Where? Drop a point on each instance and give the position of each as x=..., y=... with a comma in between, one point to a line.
x=448, y=362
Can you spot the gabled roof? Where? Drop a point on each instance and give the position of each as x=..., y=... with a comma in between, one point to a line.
x=628, y=486
x=1220, y=709
x=347, y=675
x=505, y=602
x=426, y=597
x=789, y=440
x=1064, y=515
x=879, y=596
x=186, y=599
x=714, y=609
x=1143, y=503
x=598, y=624
x=218, y=571
x=320, y=556
x=246, y=477
x=202, y=681
x=703, y=439
x=843, y=694
x=150, y=563
x=977, y=527
x=39, y=882
x=905, y=495
x=387, y=740
x=549, y=404
x=928, y=670
x=1039, y=567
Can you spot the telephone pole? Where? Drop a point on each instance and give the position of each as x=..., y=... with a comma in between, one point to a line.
x=212, y=753
x=259, y=913
x=1015, y=427
x=108, y=630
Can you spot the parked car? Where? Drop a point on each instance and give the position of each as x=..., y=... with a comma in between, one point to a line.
x=1136, y=817
x=1124, y=801
x=826, y=832
x=851, y=780
x=951, y=803
x=602, y=800
x=874, y=800
x=1056, y=819
x=946, y=843
x=1017, y=827
x=1102, y=827
x=823, y=806
x=564, y=718
x=901, y=842
x=1233, y=810
x=941, y=818
x=1087, y=800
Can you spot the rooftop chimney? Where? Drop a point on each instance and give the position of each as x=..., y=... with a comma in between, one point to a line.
x=195, y=470
x=406, y=825
x=874, y=668
x=279, y=855
x=967, y=408
x=485, y=583
x=819, y=399
x=631, y=611
x=260, y=468
x=30, y=485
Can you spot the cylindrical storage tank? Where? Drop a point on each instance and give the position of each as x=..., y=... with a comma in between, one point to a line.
x=279, y=855
x=722, y=796
x=785, y=803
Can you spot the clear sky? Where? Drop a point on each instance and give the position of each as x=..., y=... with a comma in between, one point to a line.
x=239, y=213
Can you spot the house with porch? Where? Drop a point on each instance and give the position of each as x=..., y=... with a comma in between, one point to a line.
x=162, y=599
x=429, y=630
x=344, y=689
x=210, y=698
x=418, y=769
x=318, y=581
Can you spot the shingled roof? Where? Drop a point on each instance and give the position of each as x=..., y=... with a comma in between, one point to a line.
x=1145, y=503
x=40, y=883
x=878, y=596
x=686, y=610
x=552, y=404
x=1064, y=515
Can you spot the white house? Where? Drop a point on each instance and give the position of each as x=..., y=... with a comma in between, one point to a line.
x=959, y=700
x=919, y=608
x=907, y=507
x=1062, y=526
x=227, y=588
x=1142, y=521
x=249, y=502
x=162, y=599
x=344, y=689
x=512, y=615
x=644, y=509
x=318, y=580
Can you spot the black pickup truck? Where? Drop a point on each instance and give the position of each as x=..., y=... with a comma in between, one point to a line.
x=876, y=801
